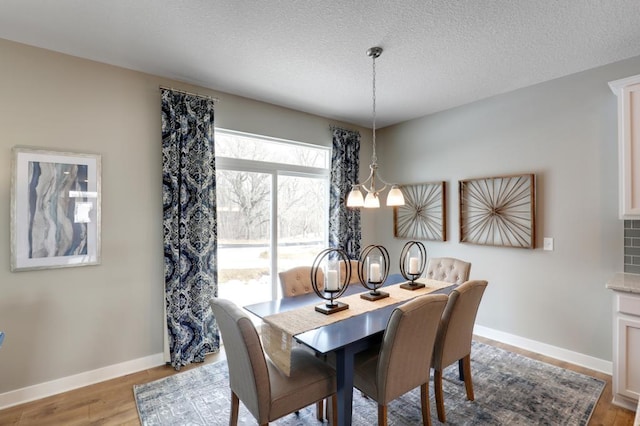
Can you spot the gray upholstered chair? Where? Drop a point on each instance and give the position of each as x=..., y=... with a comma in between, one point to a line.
x=266, y=392
x=404, y=358
x=453, y=342
x=297, y=281
x=448, y=269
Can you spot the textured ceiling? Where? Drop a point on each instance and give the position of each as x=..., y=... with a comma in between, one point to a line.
x=310, y=55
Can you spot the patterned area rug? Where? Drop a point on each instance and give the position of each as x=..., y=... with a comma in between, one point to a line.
x=510, y=389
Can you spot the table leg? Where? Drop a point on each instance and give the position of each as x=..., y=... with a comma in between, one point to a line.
x=344, y=373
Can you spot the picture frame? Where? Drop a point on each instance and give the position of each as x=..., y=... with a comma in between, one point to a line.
x=55, y=209
x=424, y=214
x=498, y=211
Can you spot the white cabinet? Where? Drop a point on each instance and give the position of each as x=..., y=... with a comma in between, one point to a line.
x=628, y=92
x=626, y=348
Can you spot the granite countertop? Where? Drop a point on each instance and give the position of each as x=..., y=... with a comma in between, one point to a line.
x=625, y=282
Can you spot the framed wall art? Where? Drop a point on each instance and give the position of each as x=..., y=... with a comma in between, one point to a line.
x=498, y=211
x=55, y=209
x=423, y=217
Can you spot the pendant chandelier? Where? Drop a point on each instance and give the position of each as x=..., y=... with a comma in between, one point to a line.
x=372, y=191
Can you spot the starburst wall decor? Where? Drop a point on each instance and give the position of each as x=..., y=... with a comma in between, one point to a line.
x=498, y=211
x=423, y=217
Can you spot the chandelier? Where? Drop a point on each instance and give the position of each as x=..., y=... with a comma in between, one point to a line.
x=372, y=191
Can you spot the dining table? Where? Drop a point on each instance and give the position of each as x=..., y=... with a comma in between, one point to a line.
x=344, y=338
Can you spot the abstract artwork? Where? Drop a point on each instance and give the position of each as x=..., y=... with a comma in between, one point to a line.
x=498, y=211
x=423, y=215
x=55, y=209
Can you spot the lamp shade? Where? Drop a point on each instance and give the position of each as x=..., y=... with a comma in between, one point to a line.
x=395, y=197
x=354, y=199
x=371, y=200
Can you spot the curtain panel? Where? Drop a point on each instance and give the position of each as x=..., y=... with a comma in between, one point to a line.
x=189, y=222
x=344, y=223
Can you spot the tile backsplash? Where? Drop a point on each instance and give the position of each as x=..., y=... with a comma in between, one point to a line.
x=632, y=246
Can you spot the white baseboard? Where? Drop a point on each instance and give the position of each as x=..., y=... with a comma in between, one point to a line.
x=545, y=349
x=87, y=378
x=64, y=384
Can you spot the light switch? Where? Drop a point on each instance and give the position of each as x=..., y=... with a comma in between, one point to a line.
x=548, y=244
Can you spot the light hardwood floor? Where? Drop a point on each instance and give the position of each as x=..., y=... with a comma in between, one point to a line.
x=112, y=402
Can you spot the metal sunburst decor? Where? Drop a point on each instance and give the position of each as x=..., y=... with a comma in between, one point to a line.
x=423, y=217
x=498, y=211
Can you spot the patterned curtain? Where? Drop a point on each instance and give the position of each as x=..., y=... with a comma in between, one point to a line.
x=344, y=223
x=189, y=221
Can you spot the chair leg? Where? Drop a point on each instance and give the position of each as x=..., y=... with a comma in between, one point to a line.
x=424, y=402
x=461, y=369
x=468, y=384
x=235, y=404
x=320, y=410
x=382, y=415
x=437, y=388
x=334, y=409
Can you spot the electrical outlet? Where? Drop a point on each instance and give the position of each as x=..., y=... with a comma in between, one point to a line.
x=548, y=244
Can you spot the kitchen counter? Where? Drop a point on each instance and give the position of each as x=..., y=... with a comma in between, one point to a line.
x=629, y=283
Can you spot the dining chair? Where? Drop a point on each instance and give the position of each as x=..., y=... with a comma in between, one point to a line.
x=355, y=264
x=297, y=281
x=453, y=341
x=268, y=393
x=403, y=360
x=448, y=269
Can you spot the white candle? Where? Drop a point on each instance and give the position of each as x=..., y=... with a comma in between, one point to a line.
x=374, y=273
x=332, y=280
x=413, y=265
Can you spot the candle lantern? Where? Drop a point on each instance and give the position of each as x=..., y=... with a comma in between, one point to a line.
x=413, y=259
x=373, y=270
x=335, y=283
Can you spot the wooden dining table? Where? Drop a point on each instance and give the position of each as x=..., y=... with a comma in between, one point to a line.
x=344, y=338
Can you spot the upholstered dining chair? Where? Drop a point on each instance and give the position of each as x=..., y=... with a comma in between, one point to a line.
x=297, y=281
x=448, y=269
x=355, y=264
x=267, y=392
x=453, y=342
x=402, y=362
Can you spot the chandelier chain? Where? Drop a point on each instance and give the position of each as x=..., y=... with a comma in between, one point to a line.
x=374, y=158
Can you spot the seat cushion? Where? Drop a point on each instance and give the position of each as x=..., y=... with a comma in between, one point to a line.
x=308, y=373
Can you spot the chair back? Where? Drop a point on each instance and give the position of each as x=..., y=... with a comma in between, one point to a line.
x=455, y=332
x=405, y=355
x=297, y=281
x=355, y=264
x=248, y=371
x=448, y=269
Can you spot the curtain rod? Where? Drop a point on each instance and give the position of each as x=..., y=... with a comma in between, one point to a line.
x=211, y=98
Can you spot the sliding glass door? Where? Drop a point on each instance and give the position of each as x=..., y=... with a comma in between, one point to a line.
x=272, y=200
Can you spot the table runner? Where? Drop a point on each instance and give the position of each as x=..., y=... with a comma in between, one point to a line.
x=278, y=329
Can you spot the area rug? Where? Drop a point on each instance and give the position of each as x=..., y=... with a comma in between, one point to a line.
x=510, y=389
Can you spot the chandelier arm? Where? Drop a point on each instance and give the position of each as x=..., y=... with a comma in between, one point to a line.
x=368, y=179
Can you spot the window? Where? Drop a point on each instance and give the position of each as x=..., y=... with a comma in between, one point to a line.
x=272, y=204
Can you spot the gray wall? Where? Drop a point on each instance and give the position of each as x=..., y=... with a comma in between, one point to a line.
x=565, y=132
x=66, y=321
